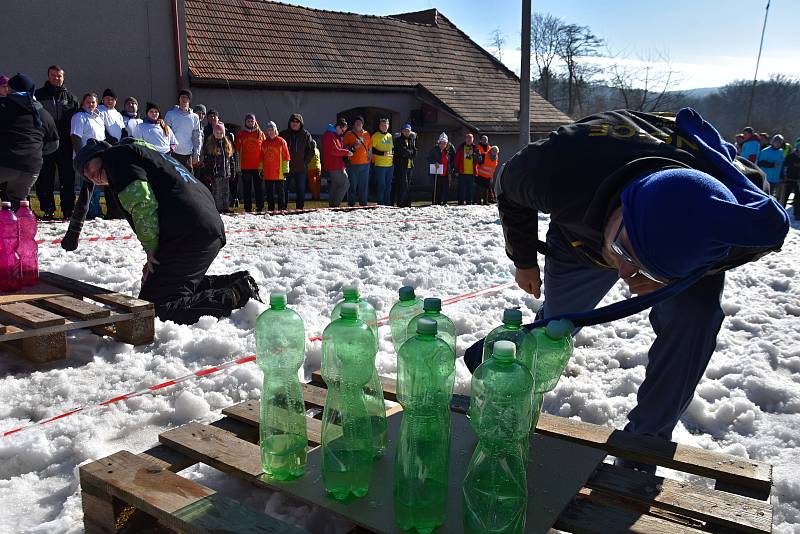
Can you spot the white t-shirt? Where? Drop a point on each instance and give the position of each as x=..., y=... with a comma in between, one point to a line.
x=133, y=127
x=154, y=134
x=88, y=126
x=113, y=121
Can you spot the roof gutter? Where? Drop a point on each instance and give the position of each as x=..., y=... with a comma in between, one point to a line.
x=330, y=87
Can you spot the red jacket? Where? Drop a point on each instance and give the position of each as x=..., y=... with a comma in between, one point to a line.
x=333, y=152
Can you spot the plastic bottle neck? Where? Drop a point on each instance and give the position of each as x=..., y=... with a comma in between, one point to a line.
x=513, y=326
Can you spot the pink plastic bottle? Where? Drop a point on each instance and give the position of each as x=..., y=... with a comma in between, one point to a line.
x=27, y=250
x=10, y=276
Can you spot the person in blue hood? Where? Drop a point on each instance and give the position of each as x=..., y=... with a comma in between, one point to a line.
x=27, y=134
x=653, y=199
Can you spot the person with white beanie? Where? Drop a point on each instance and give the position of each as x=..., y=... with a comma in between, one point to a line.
x=442, y=157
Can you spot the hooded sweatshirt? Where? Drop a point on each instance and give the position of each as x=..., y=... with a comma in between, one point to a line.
x=300, y=143
x=186, y=126
x=333, y=151
x=22, y=142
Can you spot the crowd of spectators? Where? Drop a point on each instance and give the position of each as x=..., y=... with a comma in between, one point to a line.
x=259, y=165
x=778, y=158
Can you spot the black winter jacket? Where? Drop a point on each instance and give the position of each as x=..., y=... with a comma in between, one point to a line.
x=61, y=104
x=578, y=173
x=435, y=156
x=300, y=144
x=405, y=149
x=22, y=142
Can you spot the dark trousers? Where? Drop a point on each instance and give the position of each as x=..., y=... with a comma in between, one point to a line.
x=481, y=191
x=466, y=189
x=275, y=191
x=45, y=184
x=233, y=194
x=686, y=328
x=441, y=188
x=401, y=186
x=251, y=180
x=297, y=181
x=185, y=160
x=180, y=289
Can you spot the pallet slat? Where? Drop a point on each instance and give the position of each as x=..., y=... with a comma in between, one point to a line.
x=39, y=291
x=249, y=412
x=30, y=315
x=175, y=501
x=726, y=509
x=99, y=294
x=75, y=307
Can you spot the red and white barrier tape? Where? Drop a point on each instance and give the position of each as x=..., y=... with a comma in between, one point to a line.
x=215, y=369
x=95, y=239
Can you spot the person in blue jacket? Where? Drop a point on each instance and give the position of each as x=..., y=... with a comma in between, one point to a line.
x=770, y=160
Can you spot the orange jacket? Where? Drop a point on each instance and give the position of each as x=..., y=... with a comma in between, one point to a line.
x=360, y=148
x=275, y=157
x=486, y=169
x=248, y=145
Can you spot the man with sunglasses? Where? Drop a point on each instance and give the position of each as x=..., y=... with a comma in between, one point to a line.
x=649, y=199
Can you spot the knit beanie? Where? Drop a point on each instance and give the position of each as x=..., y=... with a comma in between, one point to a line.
x=443, y=138
x=683, y=221
x=219, y=127
x=131, y=99
x=186, y=92
x=109, y=92
x=150, y=106
x=271, y=125
x=21, y=83
x=250, y=116
x=341, y=122
x=406, y=126
x=3, y=80
x=199, y=108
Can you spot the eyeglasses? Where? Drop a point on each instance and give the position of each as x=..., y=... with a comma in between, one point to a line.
x=620, y=251
x=295, y=120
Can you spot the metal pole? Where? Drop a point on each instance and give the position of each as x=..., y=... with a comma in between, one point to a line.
x=758, y=61
x=525, y=78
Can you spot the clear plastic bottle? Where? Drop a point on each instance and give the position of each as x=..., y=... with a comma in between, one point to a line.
x=28, y=250
x=425, y=376
x=446, y=329
x=512, y=330
x=348, y=362
x=280, y=349
x=554, y=347
x=373, y=390
x=405, y=309
x=10, y=273
x=495, y=490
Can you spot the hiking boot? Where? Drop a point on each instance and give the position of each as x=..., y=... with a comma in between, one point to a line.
x=246, y=288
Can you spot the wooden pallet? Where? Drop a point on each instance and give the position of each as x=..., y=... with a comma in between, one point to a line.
x=35, y=320
x=142, y=493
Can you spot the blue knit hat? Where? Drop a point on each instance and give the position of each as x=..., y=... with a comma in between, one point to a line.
x=684, y=221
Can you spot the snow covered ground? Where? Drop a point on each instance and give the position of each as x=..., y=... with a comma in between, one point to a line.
x=748, y=403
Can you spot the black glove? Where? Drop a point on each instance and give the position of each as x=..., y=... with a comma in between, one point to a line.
x=70, y=240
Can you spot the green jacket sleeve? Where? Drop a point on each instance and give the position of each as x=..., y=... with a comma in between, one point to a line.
x=139, y=200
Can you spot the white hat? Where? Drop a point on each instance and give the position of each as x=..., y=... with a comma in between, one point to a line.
x=443, y=137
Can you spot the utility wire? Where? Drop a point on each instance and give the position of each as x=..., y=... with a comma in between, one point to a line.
x=758, y=61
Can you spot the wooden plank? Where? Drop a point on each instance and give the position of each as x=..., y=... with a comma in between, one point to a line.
x=175, y=501
x=75, y=307
x=749, y=474
x=30, y=315
x=26, y=332
x=733, y=469
x=39, y=291
x=732, y=511
x=99, y=294
x=583, y=516
x=571, y=464
x=249, y=412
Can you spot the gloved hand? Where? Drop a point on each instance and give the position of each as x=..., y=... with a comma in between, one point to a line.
x=149, y=266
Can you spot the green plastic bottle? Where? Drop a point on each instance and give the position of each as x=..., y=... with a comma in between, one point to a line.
x=348, y=361
x=554, y=347
x=432, y=309
x=425, y=376
x=495, y=490
x=280, y=348
x=512, y=330
x=405, y=309
x=373, y=390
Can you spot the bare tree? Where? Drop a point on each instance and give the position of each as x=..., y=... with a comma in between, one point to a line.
x=647, y=83
x=576, y=42
x=545, y=31
x=496, y=40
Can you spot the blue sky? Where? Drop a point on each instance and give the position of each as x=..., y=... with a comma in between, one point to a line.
x=708, y=42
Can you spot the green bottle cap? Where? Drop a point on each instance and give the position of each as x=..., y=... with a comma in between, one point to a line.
x=432, y=304
x=350, y=292
x=349, y=310
x=504, y=350
x=277, y=299
x=559, y=329
x=407, y=293
x=512, y=316
x=427, y=326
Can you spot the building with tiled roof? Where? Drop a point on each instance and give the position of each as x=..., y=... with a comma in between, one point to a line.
x=273, y=59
